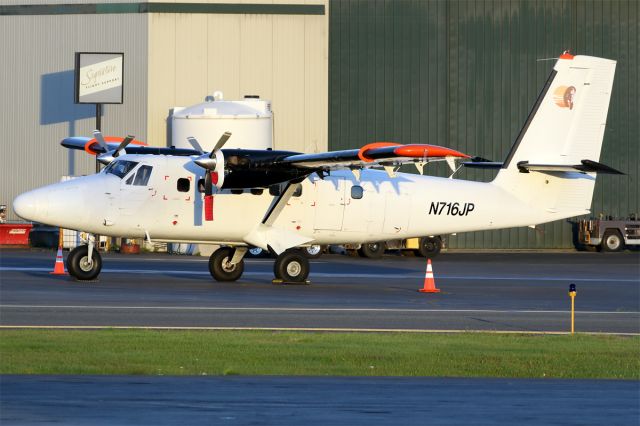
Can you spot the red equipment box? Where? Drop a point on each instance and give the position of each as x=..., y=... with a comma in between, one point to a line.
x=15, y=234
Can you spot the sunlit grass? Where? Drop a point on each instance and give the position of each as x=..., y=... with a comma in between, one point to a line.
x=153, y=352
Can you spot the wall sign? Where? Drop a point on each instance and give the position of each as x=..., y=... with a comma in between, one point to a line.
x=99, y=78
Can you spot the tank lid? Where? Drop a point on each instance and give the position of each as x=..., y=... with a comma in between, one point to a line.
x=226, y=109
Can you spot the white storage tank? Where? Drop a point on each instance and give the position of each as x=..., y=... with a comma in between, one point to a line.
x=250, y=122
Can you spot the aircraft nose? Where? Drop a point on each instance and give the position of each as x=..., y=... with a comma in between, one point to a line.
x=32, y=205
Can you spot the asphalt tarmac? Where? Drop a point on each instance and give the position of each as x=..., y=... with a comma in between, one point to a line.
x=489, y=291
x=99, y=400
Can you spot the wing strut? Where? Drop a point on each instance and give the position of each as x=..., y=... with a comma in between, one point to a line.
x=269, y=237
x=278, y=204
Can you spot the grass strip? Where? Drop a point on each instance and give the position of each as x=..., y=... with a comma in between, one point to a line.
x=157, y=352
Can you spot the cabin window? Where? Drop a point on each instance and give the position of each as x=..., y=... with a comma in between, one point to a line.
x=142, y=176
x=298, y=190
x=120, y=168
x=184, y=185
x=356, y=192
x=257, y=191
x=201, y=185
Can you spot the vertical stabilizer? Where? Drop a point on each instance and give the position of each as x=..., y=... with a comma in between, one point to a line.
x=565, y=127
x=568, y=120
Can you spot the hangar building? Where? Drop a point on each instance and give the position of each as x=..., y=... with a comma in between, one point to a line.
x=339, y=73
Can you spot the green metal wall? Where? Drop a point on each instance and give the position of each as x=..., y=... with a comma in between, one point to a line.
x=464, y=74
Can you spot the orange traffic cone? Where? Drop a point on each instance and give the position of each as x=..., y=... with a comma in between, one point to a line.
x=429, y=282
x=58, y=269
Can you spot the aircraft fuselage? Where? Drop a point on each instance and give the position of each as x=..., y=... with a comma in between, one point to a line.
x=170, y=206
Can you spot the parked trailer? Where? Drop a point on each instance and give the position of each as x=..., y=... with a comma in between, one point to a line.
x=609, y=234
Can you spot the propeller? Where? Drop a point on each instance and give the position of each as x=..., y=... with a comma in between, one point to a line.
x=120, y=150
x=109, y=154
x=97, y=134
x=213, y=163
x=195, y=144
x=209, y=161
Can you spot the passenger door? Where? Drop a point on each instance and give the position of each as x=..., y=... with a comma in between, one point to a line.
x=329, y=203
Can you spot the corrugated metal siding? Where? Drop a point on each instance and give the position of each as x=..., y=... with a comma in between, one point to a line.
x=465, y=74
x=387, y=75
x=278, y=57
x=36, y=53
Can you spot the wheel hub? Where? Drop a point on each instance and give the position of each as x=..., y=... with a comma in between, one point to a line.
x=227, y=266
x=313, y=250
x=613, y=242
x=86, y=264
x=294, y=269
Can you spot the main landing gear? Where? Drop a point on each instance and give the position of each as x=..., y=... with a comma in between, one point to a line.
x=291, y=266
x=227, y=264
x=84, y=263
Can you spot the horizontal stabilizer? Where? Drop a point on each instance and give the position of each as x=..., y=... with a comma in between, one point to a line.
x=586, y=166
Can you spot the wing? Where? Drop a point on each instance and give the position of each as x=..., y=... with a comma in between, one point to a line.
x=247, y=168
x=374, y=154
x=93, y=147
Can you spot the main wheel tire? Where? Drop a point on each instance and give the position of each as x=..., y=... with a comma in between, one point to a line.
x=291, y=266
x=612, y=240
x=220, y=268
x=79, y=266
x=70, y=261
x=313, y=251
x=372, y=250
x=429, y=247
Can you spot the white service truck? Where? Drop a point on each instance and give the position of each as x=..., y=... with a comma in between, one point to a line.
x=609, y=234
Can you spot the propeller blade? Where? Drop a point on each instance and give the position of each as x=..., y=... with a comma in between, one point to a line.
x=195, y=144
x=223, y=139
x=98, y=135
x=123, y=145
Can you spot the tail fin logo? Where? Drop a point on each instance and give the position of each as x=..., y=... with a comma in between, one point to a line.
x=563, y=96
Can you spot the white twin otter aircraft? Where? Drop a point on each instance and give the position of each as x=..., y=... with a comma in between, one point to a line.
x=280, y=200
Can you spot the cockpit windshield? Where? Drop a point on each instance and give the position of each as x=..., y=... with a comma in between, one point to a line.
x=120, y=168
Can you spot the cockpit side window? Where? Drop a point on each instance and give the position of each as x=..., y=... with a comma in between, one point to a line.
x=142, y=175
x=120, y=168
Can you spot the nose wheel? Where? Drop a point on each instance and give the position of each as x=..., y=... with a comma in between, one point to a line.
x=291, y=267
x=82, y=265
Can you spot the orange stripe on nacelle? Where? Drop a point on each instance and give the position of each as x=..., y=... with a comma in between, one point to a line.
x=88, y=147
x=362, y=154
x=425, y=151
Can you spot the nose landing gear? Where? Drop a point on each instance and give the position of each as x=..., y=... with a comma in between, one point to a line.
x=84, y=263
